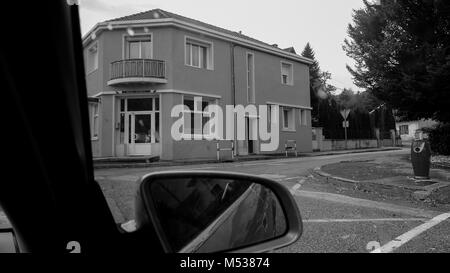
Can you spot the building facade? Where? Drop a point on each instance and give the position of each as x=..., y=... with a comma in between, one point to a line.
x=407, y=129
x=140, y=66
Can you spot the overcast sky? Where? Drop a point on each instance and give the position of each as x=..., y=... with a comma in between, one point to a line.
x=287, y=23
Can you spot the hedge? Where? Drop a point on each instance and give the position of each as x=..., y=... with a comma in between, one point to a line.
x=439, y=138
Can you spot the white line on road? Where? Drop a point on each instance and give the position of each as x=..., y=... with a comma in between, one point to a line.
x=365, y=220
x=292, y=178
x=403, y=239
x=295, y=188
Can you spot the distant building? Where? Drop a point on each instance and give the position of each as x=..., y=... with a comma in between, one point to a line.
x=407, y=129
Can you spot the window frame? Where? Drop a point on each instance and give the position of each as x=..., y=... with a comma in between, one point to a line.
x=402, y=127
x=290, y=78
x=302, y=117
x=137, y=37
x=209, y=47
x=291, y=127
x=89, y=69
x=193, y=135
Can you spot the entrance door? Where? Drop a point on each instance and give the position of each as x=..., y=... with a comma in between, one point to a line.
x=140, y=132
x=249, y=136
x=251, y=133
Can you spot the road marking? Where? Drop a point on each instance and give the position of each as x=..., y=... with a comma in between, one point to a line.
x=295, y=188
x=403, y=239
x=129, y=178
x=273, y=176
x=343, y=199
x=365, y=220
x=292, y=178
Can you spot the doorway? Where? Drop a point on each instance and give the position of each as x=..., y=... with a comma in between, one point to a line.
x=139, y=127
x=251, y=135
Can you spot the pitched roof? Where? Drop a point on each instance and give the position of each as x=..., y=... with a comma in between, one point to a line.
x=290, y=50
x=162, y=14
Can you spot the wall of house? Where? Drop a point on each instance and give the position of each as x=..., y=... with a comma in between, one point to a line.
x=106, y=125
x=94, y=78
x=268, y=88
x=169, y=45
x=188, y=78
x=111, y=46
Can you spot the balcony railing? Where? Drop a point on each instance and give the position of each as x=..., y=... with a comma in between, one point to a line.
x=137, y=70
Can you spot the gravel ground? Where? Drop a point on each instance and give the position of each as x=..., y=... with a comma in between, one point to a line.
x=441, y=160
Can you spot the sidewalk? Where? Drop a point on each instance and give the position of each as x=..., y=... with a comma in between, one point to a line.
x=143, y=162
x=391, y=176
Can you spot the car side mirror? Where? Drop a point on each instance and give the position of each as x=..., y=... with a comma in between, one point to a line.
x=207, y=212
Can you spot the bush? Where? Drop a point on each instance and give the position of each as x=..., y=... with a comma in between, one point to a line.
x=439, y=138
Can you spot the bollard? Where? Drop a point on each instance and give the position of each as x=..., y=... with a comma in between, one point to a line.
x=420, y=158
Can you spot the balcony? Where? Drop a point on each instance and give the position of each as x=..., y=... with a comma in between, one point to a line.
x=140, y=71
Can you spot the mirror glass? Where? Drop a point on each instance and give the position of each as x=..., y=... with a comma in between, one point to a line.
x=204, y=215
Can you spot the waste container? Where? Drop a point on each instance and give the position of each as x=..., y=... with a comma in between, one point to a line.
x=420, y=158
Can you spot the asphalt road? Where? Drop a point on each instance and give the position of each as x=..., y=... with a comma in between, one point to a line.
x=334, y=220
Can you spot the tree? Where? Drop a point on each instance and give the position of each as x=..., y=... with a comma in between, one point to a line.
x=402, y=55
x=314, y=79
x=319, y=88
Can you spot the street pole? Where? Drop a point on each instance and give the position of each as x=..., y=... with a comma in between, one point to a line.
x=345, y=113
x=345, y=133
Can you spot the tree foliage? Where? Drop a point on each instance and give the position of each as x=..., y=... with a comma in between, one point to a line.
x=319, y=88
x=402, y=54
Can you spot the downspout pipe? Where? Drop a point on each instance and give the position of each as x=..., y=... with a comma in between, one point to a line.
x=233, y=93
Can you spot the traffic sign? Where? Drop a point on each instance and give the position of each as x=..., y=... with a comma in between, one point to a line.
x=345, y=113
x=346, y=124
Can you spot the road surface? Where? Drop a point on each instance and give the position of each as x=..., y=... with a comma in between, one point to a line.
x=334, y=220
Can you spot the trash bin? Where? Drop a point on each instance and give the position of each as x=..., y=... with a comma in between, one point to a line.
x=420, y=158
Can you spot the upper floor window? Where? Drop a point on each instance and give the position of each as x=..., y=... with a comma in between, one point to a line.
x=250, y=78
x=287, y=73
x=92, y=58
x=288, y=119
x=139, y=47
x=198, y=53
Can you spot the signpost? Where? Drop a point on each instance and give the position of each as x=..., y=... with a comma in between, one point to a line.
x=345, y=123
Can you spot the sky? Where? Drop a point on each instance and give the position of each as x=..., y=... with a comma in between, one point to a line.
x=322, y=23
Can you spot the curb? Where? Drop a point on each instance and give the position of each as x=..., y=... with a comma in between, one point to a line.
x=269, y=157
x=420, y=193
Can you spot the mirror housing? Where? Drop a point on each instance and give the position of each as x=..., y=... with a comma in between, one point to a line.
x=148, y=215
